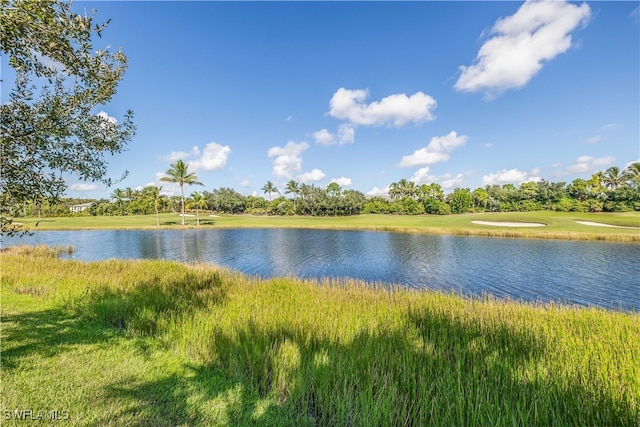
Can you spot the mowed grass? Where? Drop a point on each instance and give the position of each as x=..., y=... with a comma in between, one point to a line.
x=163, y=343
x=558, y=225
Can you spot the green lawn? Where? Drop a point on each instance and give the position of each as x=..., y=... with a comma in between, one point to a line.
x=558, y=224
x=158, y=343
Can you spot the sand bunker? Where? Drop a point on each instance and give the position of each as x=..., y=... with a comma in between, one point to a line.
x=510, y=224
x=600, y=224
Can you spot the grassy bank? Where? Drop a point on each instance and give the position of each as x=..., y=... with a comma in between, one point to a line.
x=162, y=343
x=558, y=225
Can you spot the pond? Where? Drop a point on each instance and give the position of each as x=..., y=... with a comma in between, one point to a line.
x=584, y=273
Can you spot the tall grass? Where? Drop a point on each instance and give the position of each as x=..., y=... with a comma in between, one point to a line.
x=342, y=352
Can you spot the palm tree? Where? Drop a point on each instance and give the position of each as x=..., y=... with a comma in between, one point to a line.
x=394, y=191
x=197, y=200
x=632, y=173
x=408, y=188
x=402, y=188
x=633, y=169
x=153, y=196
x=179, y=174
x=118, y=195
x=270, y=188
x=613, y=178
x=293, y=187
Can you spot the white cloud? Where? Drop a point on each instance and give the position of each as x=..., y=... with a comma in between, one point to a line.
x=181, y=155
x=324, y=137
x=49, y=62
x=593, y=139
x=245, y=184
x=446, y=181
x=287, y=159
x=342, y=181
x=107, y=117
x=375, y=191
x=537, y=32
x=487, y=145
x=421, y=176
x=167, y=188
x=345, y=135
x=107, y=123
x=83, y=187
x=176, y=155
x=610, y=126
x=511, y=176
x=313, y=176
x=397, y=110
x=635, y=14
x=449, y=181
x=214, y=156
x=585, y=164
x=437, y=150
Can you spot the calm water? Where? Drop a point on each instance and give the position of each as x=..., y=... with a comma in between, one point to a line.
x=585, y=273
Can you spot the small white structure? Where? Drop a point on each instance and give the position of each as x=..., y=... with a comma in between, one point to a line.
x=80, y=207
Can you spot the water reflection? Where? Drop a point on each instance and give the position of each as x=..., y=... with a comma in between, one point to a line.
x=587, y=273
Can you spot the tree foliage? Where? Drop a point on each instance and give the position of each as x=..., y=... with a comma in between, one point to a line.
x=50, y=128
x=179, y=174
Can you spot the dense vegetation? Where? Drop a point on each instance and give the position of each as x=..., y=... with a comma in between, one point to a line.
x=613, y=190
x=50, y=123
x=162, y=343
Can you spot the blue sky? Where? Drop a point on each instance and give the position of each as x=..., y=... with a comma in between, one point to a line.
x=460, y=93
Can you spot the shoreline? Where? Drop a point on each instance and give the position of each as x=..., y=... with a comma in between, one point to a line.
x=501, y=232
x=549, y=225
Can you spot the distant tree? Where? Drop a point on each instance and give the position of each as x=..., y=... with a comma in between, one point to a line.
x=376, y=205
x=402, y=188
x=353, y=202
x=334, y=191
x=227, y=200
x=460, y=200
x=595, y=186
x=480, y=198
x=578, y=189
x=550, y=193
x=633, y=174
x=528, y=191
x=633, y=170
x=255, y=205
x=118, y=195
x=197, y=201
x=395, y=191
x=153, y=196
x=49, y=125
x=179, y=174
x=293, y=187
x=408, y=206
x=614, y=178
x=269, y=188
x=430, y=191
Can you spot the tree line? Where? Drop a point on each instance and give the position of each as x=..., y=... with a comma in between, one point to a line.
x=613, y=190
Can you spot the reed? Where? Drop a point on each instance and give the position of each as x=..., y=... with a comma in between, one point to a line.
x=302, y=352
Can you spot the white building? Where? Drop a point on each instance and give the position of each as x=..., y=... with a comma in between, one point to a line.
x=80, y=207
